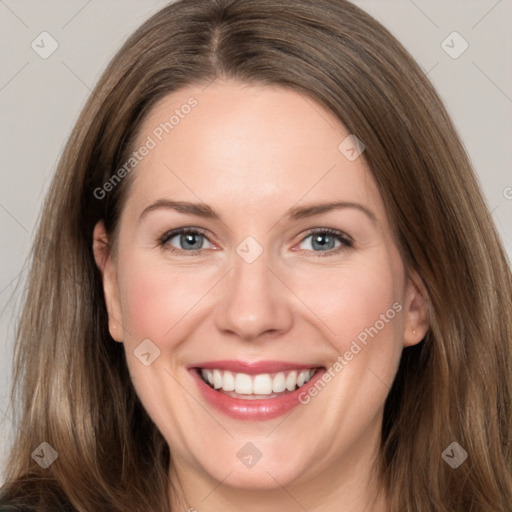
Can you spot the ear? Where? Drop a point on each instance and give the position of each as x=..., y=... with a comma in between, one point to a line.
x=105, y=263
x=416, y=314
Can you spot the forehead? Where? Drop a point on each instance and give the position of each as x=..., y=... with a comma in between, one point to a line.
x=249, y=146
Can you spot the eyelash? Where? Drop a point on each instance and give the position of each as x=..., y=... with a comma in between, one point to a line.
x=346, y=241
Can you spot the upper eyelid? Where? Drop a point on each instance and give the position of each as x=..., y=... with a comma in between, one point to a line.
x=180, y=231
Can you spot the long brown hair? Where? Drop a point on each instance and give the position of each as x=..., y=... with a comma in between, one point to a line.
x=455, y=386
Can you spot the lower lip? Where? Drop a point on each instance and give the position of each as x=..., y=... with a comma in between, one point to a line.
x=258, y=409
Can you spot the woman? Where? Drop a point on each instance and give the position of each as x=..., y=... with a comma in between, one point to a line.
x=248, y=370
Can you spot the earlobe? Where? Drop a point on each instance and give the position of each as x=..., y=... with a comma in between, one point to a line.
x=417, y=321
x=106, y=266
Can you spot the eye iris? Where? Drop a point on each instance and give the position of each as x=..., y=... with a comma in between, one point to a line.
x=323, y=245
x=321, y=241
x=189, y=237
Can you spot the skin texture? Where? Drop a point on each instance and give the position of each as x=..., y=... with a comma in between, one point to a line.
x=251, y=153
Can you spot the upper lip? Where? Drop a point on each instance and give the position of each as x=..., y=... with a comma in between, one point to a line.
x=253, y=367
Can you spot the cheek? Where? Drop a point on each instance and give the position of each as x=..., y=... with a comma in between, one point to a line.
x=147, y=305
x=355, y=299
x=150, y=299
x=155, y=296
x=362, y=316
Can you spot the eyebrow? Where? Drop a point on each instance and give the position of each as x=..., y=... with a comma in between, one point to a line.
x=296, y=213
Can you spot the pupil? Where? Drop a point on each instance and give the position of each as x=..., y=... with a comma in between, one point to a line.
x=189, y=237
x=322, y=241
x=322, y=245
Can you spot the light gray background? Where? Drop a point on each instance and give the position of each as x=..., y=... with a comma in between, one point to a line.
x=41, y=98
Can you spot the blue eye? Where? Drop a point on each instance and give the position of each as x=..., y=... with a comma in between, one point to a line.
x=324, y=240
x=189, y=240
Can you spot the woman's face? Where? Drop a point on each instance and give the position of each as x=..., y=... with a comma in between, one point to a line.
x=249, y=299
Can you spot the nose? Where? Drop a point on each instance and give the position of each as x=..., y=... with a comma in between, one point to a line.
x=255, y=301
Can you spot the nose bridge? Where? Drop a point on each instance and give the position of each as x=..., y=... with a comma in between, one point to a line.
x=251, y=270
x=254, y=300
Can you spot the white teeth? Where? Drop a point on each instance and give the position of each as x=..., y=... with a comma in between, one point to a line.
x=279, y=383
x=228, y=383
x=217, y=379
x=243, y=384
x=261, y=384
x=291, y=380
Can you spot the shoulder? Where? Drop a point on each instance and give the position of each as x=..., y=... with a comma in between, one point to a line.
x=16, y=506
x=6, y=506
x=28, y=496
x=11, y=507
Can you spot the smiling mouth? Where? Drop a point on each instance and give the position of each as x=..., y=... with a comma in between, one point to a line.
x=255, y=387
